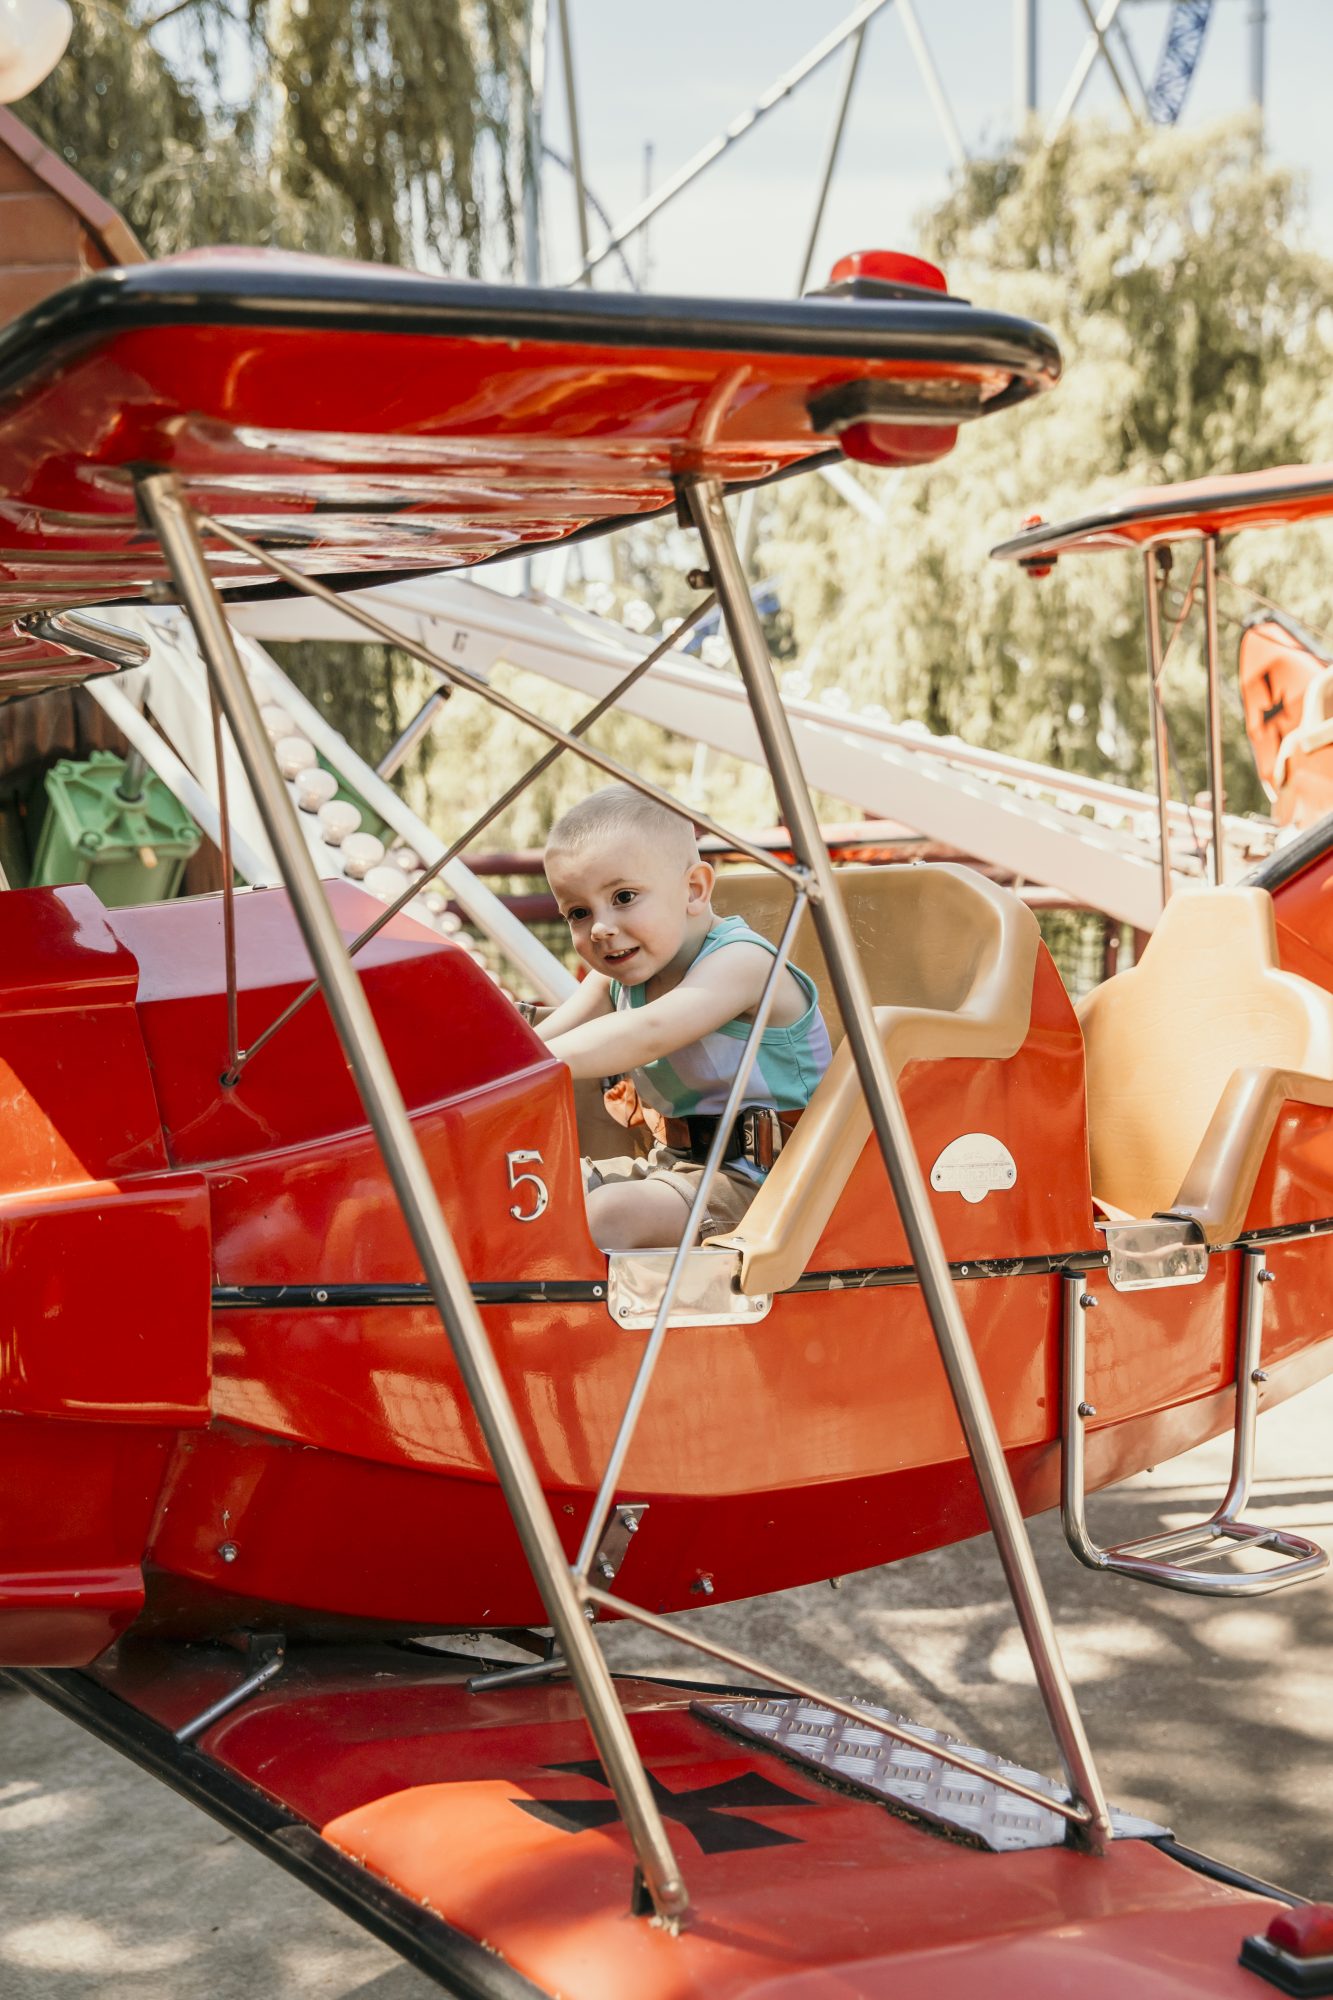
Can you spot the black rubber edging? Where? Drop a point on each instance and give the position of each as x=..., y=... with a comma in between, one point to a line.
x=465, y=1969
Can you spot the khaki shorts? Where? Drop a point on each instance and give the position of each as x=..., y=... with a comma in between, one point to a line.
x=730, y=1195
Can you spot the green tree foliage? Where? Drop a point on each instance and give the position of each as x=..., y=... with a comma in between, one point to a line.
x=1196, y=336
x=370, y=128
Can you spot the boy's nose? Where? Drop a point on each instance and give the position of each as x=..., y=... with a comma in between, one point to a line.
x=603, y=927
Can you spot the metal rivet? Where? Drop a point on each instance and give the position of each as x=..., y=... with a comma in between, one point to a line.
x=704, y=1586
x=1259, y=1375
x=1087, y=1301
x=1087, y=1409
x=228, y=1551
x=1267, y=1277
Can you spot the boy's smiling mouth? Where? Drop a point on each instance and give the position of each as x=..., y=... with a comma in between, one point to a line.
x=619, y=957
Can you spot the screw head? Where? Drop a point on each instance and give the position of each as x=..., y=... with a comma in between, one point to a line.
x=699, y=579
x=1087, y=1409
x=1267, y=1277
x=1259, y=1375
x=1087, y=1300
x=228, y=1551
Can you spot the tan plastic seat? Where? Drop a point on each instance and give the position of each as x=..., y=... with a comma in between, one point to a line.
x=1191, y=1056
x=950, y=959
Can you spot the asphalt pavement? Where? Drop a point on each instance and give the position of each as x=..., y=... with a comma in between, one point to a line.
x=1216, y=1719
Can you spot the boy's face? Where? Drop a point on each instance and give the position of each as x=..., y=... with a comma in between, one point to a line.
x=627, y=903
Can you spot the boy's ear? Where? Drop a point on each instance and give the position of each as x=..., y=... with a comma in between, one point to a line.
x=699, y=886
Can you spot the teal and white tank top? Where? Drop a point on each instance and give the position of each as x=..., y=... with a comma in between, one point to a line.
x=694, y=1081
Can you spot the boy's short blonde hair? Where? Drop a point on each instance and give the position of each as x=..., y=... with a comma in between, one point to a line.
x=619, y=809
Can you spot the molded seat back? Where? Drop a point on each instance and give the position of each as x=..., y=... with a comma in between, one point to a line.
x=922, y=933
x=1165, y=1040
x=950, y=958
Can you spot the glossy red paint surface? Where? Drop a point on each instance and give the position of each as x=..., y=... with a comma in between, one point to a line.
x=1034, y=1102
x=107, y=1302
x=341, y=1455
x=76, y=1503
x=848, y=1430
x=105, y=1271
x=426, y=1784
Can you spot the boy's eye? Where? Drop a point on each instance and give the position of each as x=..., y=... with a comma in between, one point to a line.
x=623, y=896
x=576, y=915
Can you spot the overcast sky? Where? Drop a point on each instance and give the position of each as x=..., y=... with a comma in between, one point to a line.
x=676, y=75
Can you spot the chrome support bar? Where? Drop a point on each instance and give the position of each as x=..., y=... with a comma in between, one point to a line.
x=895, y=1143
x=1161, y=754
x=403, y=746
x=1162, y=1559
x=1213, y=709
x=1073, y=1810
x=350, y=1012
x=228, y=882
x=77, y=632
x=269, y=1650
x=722, y=1130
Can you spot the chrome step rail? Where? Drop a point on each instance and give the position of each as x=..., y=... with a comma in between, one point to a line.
x=1166, y=1559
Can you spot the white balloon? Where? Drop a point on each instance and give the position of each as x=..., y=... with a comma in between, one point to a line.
x=33, y=36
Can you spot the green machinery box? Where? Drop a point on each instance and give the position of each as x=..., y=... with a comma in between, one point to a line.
x=130, y=850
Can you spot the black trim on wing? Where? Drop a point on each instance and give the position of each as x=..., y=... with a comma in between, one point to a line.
x=1222, y=1871
x=465, y=1969
x=358, y=299
x=1062, y=537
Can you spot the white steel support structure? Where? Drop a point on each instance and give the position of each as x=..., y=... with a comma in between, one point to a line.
x=1096, y=842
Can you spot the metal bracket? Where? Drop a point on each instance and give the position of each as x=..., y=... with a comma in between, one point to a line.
x=267, y=1650
x=1150, y=1255
x=709, y=1292
x=77, y=632
x=1164, y=1558
x=614, y=1547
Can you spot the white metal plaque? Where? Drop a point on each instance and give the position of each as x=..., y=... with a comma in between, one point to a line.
x=974, y=1166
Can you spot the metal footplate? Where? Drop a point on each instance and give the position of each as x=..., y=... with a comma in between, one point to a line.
x=1172, y=1558
x=898, y=1774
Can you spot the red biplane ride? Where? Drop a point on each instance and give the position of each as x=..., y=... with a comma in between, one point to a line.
x=307, y=1349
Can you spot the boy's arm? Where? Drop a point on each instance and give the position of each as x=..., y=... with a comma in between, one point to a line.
x=727, y=983
x=590, y=998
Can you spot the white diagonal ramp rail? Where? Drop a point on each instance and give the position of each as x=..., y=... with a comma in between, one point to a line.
x=1095, y=842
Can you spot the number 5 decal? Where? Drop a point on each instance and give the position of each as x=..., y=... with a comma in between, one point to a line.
x=541, y=1195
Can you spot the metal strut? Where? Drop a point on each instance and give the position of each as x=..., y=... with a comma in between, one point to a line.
x=349, y=1010
x=895, y=1144
x=1164, y=1558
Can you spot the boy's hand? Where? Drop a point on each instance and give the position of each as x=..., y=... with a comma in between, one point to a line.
x=590, y=998
x=717, y=989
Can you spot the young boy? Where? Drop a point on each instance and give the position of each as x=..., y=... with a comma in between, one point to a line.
x=670, y=995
